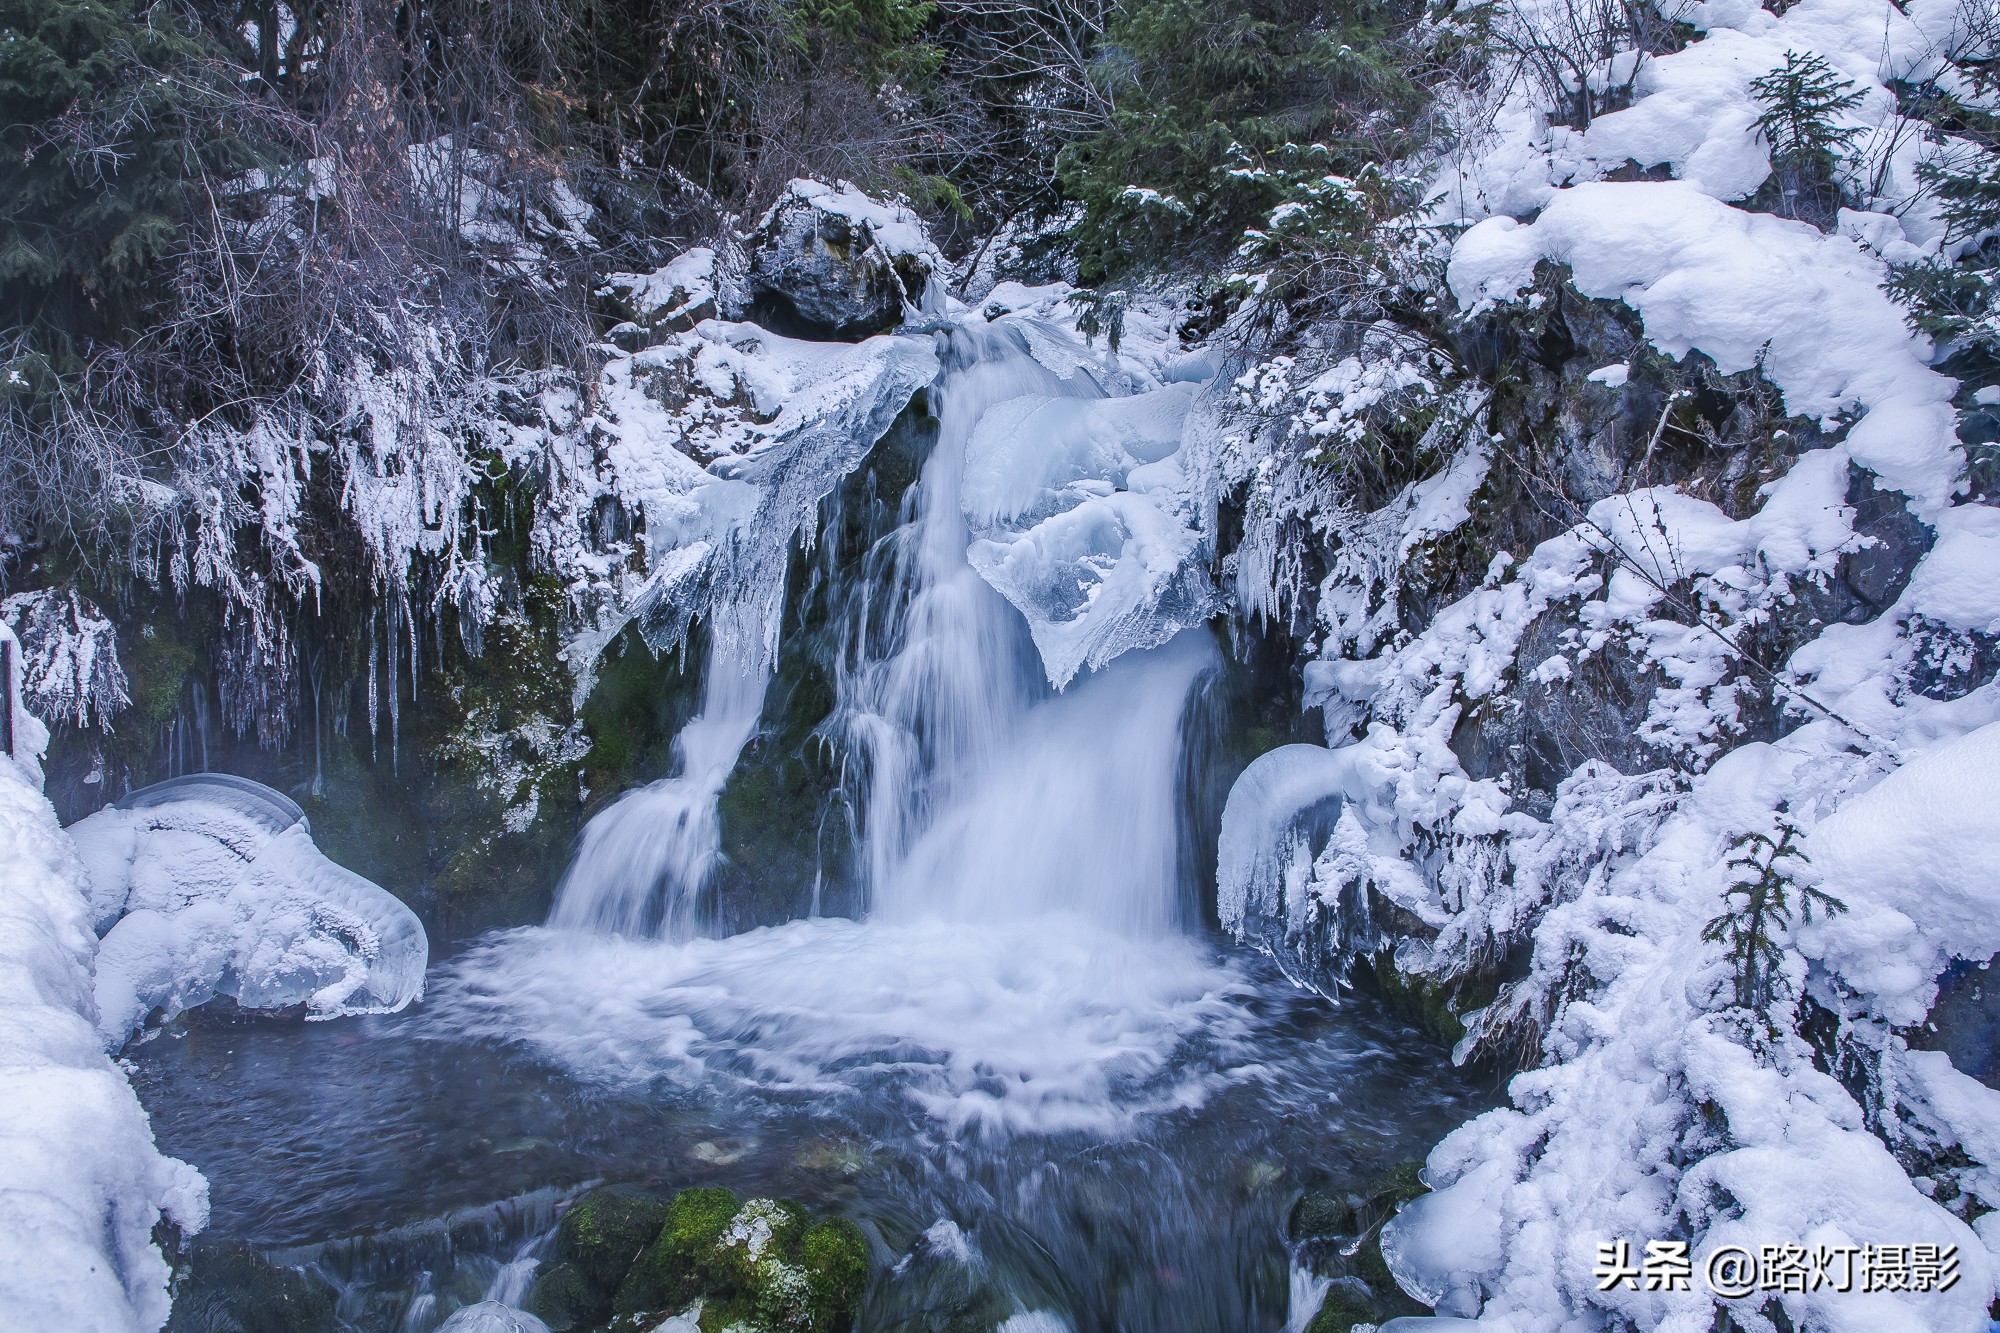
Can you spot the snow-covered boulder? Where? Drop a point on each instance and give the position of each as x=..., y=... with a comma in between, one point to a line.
x=211, y=885
x=81, y=1183
x=672, y=298
x=841, y=261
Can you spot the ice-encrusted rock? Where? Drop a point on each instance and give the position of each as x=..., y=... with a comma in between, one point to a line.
x=492, y=1317
x=1275, y=808
x=843, y=261
x=211, y=885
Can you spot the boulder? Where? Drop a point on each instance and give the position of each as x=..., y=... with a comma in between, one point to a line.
x=827, y=259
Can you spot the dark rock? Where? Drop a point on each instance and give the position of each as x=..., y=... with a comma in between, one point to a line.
x=230, y=1288
x=597, y=1242
x=828, y=261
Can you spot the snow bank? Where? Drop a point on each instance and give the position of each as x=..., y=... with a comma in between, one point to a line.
x=216, y=888
x=81, y=1184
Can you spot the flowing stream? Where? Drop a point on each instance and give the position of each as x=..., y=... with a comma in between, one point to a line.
x=1026, y=1072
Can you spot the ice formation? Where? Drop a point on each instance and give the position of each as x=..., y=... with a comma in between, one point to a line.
x=81, y=1184
x=211, y=885
x=1084, y=516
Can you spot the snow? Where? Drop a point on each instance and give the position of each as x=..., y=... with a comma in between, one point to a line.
x=1916, y=858
x=893, y=227
x=1750, y=290
x=213, y=890
x=686, y=284
x=81, y=1183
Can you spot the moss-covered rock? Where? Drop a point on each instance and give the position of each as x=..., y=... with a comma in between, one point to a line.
x=1343, y=1308
x=835, y=1257
x=605, y=1232
x=1338, y=1235
x=1318, y=1215
x=564, y=1299
x=761, y=1265
x=597, y=1242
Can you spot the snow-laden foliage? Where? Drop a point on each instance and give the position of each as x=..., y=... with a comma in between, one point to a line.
x=70, y=669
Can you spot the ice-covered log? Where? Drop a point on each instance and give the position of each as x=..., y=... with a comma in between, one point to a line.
x=211, y=885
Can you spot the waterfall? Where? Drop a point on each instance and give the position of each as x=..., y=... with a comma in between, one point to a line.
x=643, y=861
x=986, y=796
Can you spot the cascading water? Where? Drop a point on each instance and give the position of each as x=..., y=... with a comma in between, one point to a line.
x=986, y=798
x=1024, y=1070
x=643, y=862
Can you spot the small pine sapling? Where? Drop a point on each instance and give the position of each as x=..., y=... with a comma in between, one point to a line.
x=1801, y=105
x=1758, y=909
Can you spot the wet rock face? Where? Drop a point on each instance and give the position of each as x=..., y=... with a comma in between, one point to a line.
x=830, y=261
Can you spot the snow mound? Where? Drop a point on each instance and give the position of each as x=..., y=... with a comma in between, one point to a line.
x=81, y=1183
x=213, y=886
x=1916, y=858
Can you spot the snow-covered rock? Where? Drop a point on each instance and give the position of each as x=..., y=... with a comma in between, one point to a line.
x=81, y=1183
x=841, y=261
x=211, y=885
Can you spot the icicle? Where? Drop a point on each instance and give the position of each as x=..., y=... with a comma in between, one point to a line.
x=373, y=756
x=395, y=699
x=319, y=768
x=410, y=620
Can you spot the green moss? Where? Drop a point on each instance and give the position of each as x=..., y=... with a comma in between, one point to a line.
x=762, y=1264
x=1435, y=1005
x=1342, y=1310
x=835, y=1257
x=680, y=1265
x=563, y=1298
x=1318, y=1214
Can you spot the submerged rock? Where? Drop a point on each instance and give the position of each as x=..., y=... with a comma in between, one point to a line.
x=230, y=1288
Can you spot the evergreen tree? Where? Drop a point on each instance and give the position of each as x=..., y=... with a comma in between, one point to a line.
x=1203, y=94
x=109, y=116
x=1801, y=104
